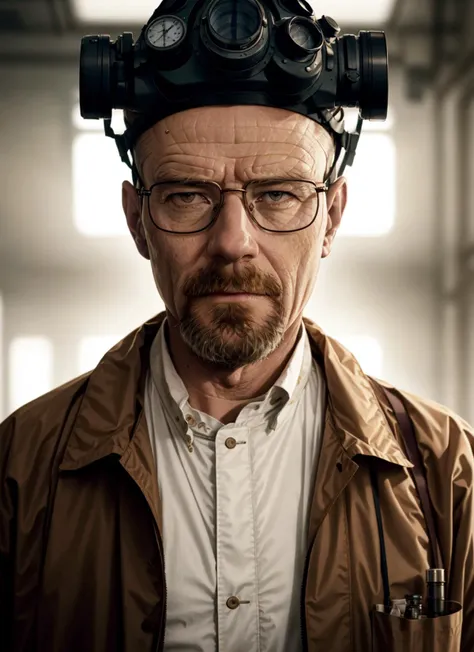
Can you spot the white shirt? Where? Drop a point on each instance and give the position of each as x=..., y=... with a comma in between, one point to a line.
x=236, y=501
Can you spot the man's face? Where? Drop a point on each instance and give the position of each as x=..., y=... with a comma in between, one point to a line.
x=198, y=275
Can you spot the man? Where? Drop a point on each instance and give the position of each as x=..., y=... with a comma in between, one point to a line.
x=210, y=485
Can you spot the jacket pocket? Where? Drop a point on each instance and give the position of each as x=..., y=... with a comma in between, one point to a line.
x=392, y=634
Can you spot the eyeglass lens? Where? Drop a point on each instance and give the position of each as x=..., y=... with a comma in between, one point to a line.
x=274, y=205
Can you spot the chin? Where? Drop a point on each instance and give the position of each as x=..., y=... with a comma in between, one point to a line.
x=230, y=335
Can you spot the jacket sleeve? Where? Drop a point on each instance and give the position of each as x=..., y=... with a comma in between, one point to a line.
x=462, y=562
x=7, y=536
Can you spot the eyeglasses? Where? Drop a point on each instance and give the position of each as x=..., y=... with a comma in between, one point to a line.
x=276, y=205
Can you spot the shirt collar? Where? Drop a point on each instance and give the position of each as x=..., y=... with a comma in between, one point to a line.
x=293, y=379
x=291, y=376
x=286, y=389
x=107, y=403
x=166, y=373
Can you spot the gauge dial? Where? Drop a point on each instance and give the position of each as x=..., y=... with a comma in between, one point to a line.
x=165, y=32
x=306, y=34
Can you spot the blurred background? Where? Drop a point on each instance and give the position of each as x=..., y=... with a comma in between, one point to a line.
x=398, y=289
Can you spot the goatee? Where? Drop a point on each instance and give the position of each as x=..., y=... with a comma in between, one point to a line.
x=233, y=338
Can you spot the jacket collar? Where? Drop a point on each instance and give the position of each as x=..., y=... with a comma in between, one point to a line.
x=357, y=416
x=114, y=398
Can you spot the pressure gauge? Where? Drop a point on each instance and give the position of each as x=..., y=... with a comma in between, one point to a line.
x=165, y=32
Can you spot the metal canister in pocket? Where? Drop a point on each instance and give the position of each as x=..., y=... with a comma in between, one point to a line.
x=441, y=634
x=414, y=607
x=436, y=602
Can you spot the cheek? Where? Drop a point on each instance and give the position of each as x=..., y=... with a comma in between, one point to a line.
x=172, y=262
x=302, y=267
x=165, y=266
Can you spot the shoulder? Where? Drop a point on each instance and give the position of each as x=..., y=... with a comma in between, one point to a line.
x=439, y=418
x=444, y=437
x=30, y=435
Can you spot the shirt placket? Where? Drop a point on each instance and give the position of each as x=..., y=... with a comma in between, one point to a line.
x=237, y=582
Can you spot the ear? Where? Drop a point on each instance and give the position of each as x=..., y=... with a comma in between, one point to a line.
x=132, y=207
x=336, y=204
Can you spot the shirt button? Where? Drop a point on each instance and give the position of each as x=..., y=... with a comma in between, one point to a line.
x=233, y=602
x=230, y=443
x=191, y=420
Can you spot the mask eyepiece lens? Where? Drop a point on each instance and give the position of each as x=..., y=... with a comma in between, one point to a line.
x=235, y=24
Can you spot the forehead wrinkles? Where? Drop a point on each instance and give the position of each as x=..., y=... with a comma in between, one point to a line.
x=269, y=137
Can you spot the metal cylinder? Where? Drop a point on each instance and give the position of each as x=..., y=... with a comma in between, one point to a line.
x=436, y=582
x=413, y=608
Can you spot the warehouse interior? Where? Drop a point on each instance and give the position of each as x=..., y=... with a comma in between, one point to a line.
x=398, y=288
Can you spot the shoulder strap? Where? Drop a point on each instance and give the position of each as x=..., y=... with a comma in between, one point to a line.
x=418, y=473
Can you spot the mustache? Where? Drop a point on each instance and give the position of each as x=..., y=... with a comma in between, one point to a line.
x=249, y=281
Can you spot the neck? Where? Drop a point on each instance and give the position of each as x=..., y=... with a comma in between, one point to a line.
x=222, y=394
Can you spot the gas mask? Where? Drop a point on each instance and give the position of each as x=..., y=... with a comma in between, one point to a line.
x=195, y=53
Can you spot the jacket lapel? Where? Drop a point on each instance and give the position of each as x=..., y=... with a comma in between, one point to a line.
x=355, y=425
x=335, y=470
x=111, y=418
x=110, y=415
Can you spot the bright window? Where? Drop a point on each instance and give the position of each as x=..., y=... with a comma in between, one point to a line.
x=367, y=351
x=371, y=206
x=30, y=370
x=98, y=174
x=92, y=350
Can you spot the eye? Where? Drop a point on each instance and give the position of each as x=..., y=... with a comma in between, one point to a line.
x=277, y=195
x=188, y=198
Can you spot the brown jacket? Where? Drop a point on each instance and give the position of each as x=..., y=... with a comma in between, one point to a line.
x=81, y=562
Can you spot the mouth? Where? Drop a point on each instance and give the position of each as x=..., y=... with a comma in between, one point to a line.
x=232, y=296
x=234, y=293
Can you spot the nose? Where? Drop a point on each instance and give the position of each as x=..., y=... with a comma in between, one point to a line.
x=232, y=237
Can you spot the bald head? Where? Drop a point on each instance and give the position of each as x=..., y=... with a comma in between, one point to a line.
x=249, y=131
